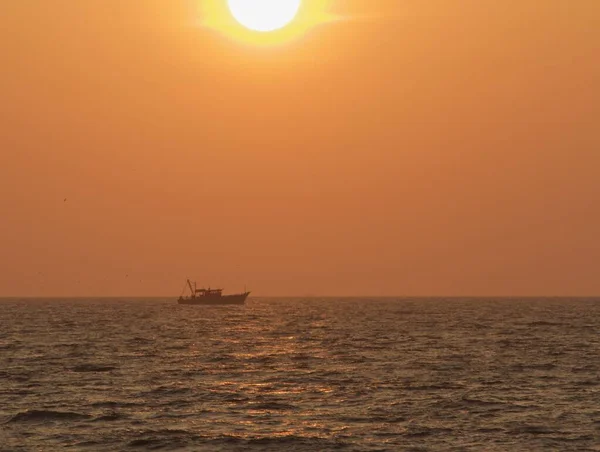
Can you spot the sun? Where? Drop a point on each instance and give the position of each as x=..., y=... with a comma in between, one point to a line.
x=264, y=15
x=265, y=22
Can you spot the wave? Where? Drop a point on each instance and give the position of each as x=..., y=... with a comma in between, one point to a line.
x=141, y=340
x=113, y=404
x=544, y=323
x=476, y=401
x=533, y=430
x=272, y=406
x=46, y=415
x=145, y=442
x=286, y=442
x=171, y=390
x=432, y=387
x=92, y=368
x=422, y=431
x=158, y=439
x=110, y=417
x=528, y=367
x=289, y=439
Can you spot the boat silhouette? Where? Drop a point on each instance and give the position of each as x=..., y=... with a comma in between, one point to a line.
x=210, y=296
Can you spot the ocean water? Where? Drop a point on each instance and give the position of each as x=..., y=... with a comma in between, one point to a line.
x=300, y=375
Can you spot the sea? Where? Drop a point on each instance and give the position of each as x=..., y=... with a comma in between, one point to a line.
x=300, y=374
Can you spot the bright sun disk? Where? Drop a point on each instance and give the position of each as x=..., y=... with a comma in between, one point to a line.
x=264, y=15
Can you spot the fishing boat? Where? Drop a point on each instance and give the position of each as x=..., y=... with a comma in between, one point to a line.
x=210, y=296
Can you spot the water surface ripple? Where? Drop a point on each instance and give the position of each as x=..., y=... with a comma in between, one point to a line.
x=300, y=375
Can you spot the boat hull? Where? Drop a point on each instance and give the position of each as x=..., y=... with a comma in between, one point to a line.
x=215, y=301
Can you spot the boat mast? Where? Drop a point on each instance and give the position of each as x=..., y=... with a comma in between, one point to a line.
x=191, y=288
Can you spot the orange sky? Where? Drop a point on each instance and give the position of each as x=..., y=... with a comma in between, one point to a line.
x=414, y=148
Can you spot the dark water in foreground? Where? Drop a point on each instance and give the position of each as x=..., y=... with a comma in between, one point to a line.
x=300, y=375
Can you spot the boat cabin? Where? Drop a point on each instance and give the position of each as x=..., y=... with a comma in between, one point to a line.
x=209, y=292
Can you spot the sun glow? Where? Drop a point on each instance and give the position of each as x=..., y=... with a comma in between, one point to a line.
x=264, y=22
x=264, y=15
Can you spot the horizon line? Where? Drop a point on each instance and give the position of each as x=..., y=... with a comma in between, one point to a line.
x=4, y=297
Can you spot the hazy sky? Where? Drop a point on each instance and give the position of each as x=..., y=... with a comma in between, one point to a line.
x=414, y=148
